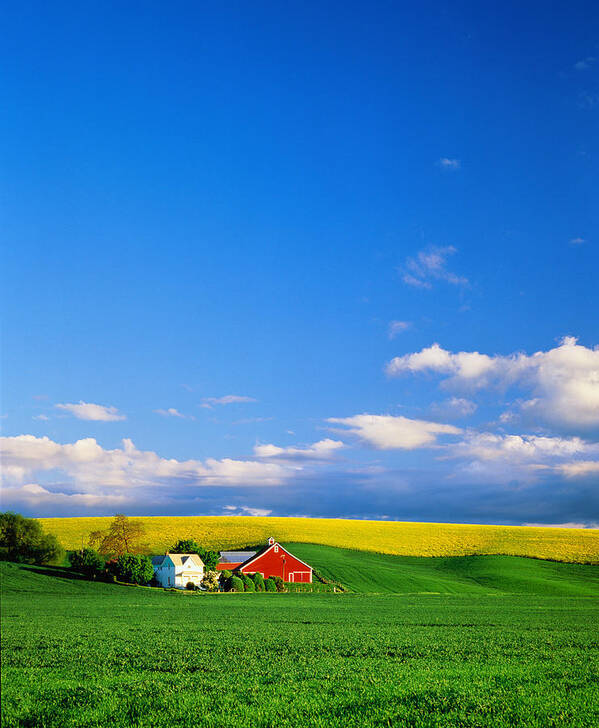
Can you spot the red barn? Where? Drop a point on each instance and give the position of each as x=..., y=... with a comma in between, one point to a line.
x=273, y=560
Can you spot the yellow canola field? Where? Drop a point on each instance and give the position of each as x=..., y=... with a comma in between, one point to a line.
x=387, y=537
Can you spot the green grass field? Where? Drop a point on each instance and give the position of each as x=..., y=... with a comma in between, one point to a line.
x=507, y=642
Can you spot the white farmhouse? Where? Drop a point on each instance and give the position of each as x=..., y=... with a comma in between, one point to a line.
x=177, y=570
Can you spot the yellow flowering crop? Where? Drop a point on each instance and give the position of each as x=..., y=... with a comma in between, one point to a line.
x=388, y=537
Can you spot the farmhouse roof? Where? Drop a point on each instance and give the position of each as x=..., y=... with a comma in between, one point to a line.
x=157, y=560
x=182, y=559
x=235, y=557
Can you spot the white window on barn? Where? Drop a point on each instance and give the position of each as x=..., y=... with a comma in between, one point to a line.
x=276, y=548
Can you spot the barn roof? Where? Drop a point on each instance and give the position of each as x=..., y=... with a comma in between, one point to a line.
x=235, y=557
x=157, y=560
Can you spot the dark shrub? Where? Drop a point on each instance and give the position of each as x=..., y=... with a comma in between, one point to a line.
x=236, y=584
x=88, y=562
x=190, y=586
x=259, y=582
x=280, y=584
x=269, y=585
x=134, y=568
x=224, y=580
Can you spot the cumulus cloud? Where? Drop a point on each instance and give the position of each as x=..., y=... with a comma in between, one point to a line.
x=321, y=450
x=96, y=412
x=92, y=468
x=447, y=163
x=431, y=265
x=387, y=432
x=564, y=381
x=209, y=402
x=397, y=327
x=577, y=241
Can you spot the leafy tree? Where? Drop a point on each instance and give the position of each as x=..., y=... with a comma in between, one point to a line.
x=210, y=581
x=259, y=582
x=190, y=586
x=248, y=584
x=279, y=583
x=88, y=562
x=134, y=568
x=189, y=546
x=122, y=537
x=269, y=585
x=24, y=540
x=236, y=584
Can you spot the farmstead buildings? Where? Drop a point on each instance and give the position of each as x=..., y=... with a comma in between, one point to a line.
x=177, y=570
x=272, y=560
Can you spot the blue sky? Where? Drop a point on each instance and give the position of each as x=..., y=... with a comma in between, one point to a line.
x=323, y=259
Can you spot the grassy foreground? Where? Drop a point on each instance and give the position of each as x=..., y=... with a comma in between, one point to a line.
x=386, y=537
x=81, y=654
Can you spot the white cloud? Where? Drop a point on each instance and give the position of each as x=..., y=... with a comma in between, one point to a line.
x=455, y=407
x=520, y=448
x=564, y=381
x=321, y=450
x=246, y=511
x=577, y=241
x=448, y=163
x=431, y=265
x=386, y=432
x=170, y=412
x=43, y=418
x=209, y=402
x=32, y=494
x=580, y=469
x=93, y=469
x=398, y=327
x=96, y=412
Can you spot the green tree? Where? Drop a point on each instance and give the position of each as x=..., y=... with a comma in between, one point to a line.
x=134, y=568
x=269, y=585
x=24, y=540
x=189, y=546
x=88, y=562
x=248, y=584
x=259, y=582
x=122, y=537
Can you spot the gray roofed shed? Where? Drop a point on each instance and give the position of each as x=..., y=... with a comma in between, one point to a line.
x=235, y=557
